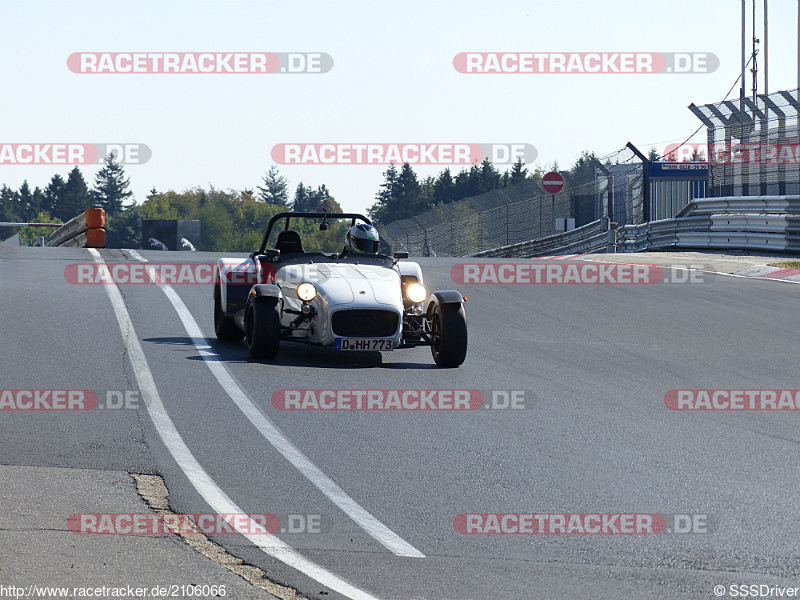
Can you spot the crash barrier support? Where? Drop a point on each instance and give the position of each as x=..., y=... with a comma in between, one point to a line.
x=84, y=231
x=736, y=222
x=594, y=237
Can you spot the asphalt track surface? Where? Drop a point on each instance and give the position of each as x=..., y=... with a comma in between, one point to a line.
x=596, y=436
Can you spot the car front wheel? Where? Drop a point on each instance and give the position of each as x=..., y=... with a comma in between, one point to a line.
x=448, y=332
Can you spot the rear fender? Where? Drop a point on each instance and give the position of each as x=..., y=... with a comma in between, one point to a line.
x=235, y=278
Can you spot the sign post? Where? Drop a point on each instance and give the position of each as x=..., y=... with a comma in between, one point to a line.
x=552, y=183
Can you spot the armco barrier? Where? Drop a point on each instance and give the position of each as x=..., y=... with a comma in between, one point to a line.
x=84, y=231
x=596, y=236
x=738, y=222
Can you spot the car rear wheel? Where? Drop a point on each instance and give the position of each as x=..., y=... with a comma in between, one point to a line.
x=224, y=326
x=448, y=332
x=262, y=327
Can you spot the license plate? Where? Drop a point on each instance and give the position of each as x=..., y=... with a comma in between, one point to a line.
x=356, y=344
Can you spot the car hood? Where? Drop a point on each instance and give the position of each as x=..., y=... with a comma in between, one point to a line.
x=347, y=283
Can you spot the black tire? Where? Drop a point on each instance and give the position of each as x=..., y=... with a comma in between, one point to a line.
x=448, y=331
x=224, y=326
x=262, y=327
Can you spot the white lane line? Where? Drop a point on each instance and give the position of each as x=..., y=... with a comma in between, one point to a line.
x=217, y=499
x=385, y=536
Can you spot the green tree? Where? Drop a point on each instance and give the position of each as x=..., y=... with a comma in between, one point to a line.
x=490, y=177
x=518, y=172
x=653, y=155
x=582, y=172
x=124, y=229
x=29, y=235
x=303, y=199
x=27, y=207
x=111, y=186
x=275, y=190
x=382, y=211
x=9, y=205
x=76, y=197
x=54, y=195
x=406, y=193
x=443, y=188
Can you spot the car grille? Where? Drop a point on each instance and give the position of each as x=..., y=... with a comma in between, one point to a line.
x=365, y=323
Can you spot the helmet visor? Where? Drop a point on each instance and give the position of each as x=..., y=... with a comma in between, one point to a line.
x=365, y=245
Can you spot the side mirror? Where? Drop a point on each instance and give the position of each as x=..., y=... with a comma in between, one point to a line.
x=399, y=255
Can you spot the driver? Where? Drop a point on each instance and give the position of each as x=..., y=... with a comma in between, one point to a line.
x=362, y=239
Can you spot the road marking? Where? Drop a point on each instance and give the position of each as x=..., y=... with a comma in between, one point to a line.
x=217, y=499
x=380, y=532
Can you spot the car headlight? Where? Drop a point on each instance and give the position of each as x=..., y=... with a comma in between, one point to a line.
x=306, y=291
x=416, y=292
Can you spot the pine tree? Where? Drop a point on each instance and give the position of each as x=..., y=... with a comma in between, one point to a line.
x=380, y=211
x=38, y=200
x=54, y=196
x=9, y=205
x=76, y=197
x=518, y=172
x=25, y=200
x=111, y=186
x=406, y=193
x=303, y=199
x=490, y=177
x=443, y=188
x=276, y=188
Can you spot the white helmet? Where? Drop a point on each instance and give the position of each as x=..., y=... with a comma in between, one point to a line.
x=363, y=238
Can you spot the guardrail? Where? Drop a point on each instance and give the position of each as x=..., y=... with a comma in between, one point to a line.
x=741, y=222
x=597, y=236
x=84, y=231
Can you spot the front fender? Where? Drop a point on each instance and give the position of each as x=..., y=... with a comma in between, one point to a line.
x=265, y=290
x=443, y=297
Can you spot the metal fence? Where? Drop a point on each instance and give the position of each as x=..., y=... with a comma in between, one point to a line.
x=497, y=218
x=502, y=217
x=753, y=144
x=623, y=187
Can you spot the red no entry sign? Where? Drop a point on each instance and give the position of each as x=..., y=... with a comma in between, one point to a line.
x=552, y=182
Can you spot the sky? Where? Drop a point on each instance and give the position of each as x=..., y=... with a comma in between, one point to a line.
x=392, y=81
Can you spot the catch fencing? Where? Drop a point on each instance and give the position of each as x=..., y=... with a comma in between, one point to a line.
x=623, y=187
x=501, y=217
x=753, y=144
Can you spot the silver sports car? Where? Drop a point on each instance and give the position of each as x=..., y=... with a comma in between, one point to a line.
x=350, y=301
